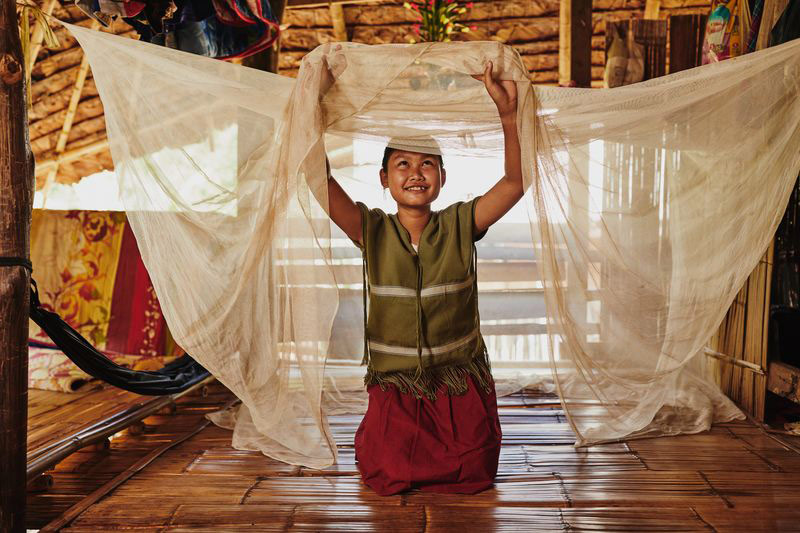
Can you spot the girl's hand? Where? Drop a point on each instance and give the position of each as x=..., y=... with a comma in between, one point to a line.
x=332, y=69
x=503, y=92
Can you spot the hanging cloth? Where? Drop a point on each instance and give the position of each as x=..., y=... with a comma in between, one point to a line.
x=646, y=208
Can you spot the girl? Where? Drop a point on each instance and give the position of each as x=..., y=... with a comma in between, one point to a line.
x=432, y=420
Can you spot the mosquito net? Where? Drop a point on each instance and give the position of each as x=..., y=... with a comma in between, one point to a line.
x=647, y=206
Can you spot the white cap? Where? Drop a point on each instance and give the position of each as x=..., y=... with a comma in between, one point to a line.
x=422, y=145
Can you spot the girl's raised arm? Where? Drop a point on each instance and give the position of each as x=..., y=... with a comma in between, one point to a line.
x=506, y=192
x=343, y=210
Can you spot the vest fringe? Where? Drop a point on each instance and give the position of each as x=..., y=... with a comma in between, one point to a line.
x=428, y=381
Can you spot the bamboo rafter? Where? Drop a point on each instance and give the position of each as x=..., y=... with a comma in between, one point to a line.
x=75, y=98
x=72, y=155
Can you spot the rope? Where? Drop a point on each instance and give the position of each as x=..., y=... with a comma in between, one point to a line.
x=16, y=261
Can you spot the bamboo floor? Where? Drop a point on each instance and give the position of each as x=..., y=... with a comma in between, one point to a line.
x=735, y=477
x=55, y=415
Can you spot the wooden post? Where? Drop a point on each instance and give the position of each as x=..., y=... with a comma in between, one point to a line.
x=16, y=201
x=575, y=43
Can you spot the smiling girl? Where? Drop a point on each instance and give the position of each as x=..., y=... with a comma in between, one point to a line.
x=432, y=420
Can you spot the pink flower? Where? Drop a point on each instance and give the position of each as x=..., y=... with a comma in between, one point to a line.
x=469, y=5
x=473, y=27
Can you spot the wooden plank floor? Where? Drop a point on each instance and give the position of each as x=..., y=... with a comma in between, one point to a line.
x=734, y=478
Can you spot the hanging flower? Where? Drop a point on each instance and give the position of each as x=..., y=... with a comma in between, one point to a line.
x=438, y=19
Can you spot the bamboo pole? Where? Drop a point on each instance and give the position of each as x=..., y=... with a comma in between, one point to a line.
x=16, y=200
x=73, y=155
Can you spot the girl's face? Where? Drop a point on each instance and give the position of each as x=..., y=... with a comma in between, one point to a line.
x=414, y=179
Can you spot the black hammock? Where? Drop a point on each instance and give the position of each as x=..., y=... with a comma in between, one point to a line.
x=177, y=376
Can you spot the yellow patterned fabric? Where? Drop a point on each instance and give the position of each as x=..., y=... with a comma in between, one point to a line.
x=75, y=256
x=88, y=270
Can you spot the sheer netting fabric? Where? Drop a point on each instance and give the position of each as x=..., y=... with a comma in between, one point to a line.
x=647, y=206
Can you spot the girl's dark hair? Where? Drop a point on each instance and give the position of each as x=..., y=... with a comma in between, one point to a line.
x=388, y=152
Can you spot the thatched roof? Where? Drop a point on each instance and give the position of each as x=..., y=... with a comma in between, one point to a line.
x=531, y=26
x=54, y=76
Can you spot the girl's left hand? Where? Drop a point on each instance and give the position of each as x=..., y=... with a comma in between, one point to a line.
x=503, y=92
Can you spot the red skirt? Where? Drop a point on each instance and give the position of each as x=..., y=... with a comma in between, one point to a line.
x=448, y=445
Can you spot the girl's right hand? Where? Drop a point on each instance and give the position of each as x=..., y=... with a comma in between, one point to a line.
x=333, y=65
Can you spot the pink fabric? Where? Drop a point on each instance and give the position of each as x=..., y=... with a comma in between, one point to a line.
x=449, y=445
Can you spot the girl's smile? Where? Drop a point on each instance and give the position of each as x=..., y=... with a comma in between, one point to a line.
x=413, y=178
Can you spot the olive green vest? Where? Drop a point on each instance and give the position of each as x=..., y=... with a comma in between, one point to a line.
x=422, y=327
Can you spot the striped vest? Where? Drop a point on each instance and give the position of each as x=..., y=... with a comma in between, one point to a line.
x=422, y=327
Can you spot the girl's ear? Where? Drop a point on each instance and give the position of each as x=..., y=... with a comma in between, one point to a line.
x=444, y=175
x=384, y=178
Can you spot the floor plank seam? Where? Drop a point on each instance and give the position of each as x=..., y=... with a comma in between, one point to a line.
x=772, y=466
x=715, y=492
x=249, y=490
x=425, y=519
x=637, y=456
x=565, y=526
x=198, y=454
x=702, y=520
x=290, y=518
x=172, y=516
x=563, y=487
x=765, y=430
